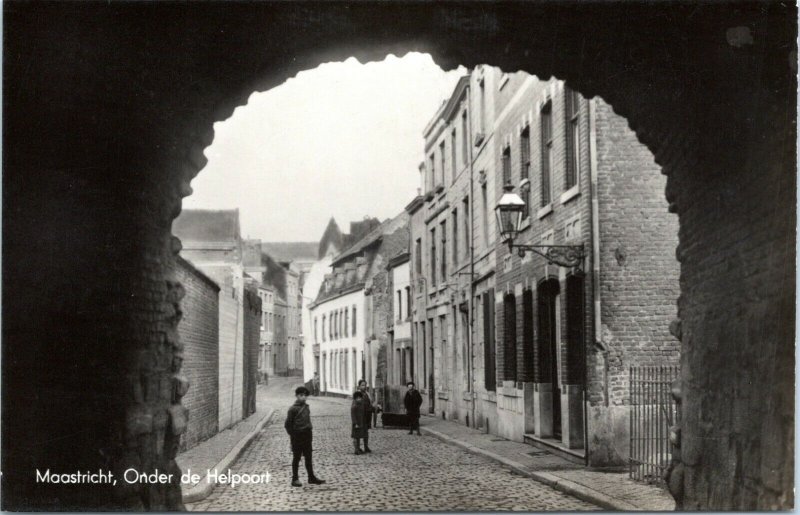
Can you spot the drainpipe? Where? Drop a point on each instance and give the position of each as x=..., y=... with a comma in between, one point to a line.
x=473, y=393
x=598, y=323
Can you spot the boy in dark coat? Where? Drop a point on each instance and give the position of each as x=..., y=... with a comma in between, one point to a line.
x=298, y=425
x=412, y=402
x=359, y=419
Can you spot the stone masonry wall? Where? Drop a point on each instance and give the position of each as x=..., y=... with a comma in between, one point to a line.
x=199, y=332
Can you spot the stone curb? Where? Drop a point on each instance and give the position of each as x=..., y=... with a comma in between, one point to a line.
x=558, y=483
x=204, y=489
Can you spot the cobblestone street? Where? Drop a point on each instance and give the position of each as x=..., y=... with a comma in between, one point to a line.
x=404, y=472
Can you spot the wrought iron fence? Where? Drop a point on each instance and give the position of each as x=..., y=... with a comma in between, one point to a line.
x=653, y=412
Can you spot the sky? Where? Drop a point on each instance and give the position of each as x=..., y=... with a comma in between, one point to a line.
x=343, y=140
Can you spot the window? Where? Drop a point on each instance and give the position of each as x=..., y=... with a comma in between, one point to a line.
x=444, y=251
x=455, y=236
x=510, y=338
x=466, y=227
x=433, y=256
x=346, y=322
x=418, y=256
x=572, y=99
x=464, y=142
x=354, y=320
x=485, y=216
x=453, y=165
x=408, y=302
x=525, y=193
x=315, y=329
x=525, y=153
x=547, y=151
x=441, y=163
x=432, y=174
x=399, y=310
x=482, y=106
x=324, y=317
x=506, y=162
x=490, y=375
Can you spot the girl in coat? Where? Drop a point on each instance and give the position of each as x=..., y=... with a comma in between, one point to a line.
x=359, y=419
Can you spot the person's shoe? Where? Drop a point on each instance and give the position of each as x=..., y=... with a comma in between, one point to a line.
x=359, y=451
x=367, y=449
x=411, y=432
x=316, y=481
x=419, y=434
x=295, y=482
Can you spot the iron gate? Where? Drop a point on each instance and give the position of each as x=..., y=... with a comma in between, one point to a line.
x=653, y=412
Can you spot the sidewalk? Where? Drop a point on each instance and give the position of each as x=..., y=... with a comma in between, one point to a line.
x=222, y=449
x=609, y=490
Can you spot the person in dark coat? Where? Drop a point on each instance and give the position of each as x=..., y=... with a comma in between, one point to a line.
x=359, y=418
x=298, y=425
x=412, y=402
x=368, y=410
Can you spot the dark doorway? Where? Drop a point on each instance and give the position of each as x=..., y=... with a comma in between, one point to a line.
x=431, y=384
x=548, y=346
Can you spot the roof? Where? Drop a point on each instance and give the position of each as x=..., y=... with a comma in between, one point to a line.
x=372, y=237
x=331, y=236
x=291, y=250
x=207, y=225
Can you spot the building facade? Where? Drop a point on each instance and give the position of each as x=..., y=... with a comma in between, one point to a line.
x=266, y=366
x=516, y=345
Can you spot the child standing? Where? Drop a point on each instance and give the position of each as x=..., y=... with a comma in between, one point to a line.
x=359, y=419
x=298, y=425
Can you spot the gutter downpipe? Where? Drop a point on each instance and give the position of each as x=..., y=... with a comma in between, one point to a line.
x=473, y=394
x=597, y=337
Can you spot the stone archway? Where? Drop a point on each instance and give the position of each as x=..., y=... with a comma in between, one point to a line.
x=108, y=109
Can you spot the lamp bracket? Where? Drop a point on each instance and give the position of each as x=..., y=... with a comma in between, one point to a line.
x=570, y=256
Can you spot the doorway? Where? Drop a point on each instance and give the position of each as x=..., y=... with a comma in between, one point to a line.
x=548, y=346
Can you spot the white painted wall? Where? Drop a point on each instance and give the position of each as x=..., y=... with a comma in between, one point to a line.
x=314, y=280
x=332, y=378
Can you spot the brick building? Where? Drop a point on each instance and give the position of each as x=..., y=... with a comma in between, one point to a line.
x=199, y=332
x=519, y=347
x=453, y=252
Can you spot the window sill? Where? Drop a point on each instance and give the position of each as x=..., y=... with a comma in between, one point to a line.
x=525, y=224
x=546, y=210
x=569, y=194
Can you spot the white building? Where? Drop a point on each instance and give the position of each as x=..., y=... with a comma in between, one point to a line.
x=338, y=324
x=401, y=353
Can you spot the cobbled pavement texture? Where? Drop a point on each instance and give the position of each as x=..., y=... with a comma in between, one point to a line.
x=403, y=473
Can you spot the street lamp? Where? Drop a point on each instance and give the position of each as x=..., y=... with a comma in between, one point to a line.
x=509, y=211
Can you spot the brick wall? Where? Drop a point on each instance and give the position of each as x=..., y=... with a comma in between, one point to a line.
x=252, y=337
x=639, y=282
x=199, y=332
